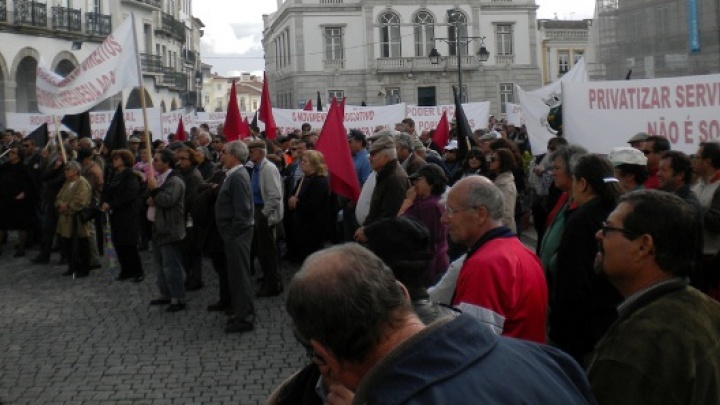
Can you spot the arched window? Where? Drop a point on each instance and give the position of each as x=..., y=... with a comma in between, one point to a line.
x=457, y=17
x=389, y=35
x=424, y=33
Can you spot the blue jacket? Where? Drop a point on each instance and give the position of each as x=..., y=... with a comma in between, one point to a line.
x=460, y=361
x=362, y=166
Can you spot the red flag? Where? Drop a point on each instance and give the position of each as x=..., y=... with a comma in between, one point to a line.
x=180, y=133
x=232, y=129
x=333, y=144
x=245, y=129
x=308, y=105
x=265, y=113
x=442, y=133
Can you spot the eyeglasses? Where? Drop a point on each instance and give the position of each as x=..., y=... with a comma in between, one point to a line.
x=647, y=152
x=630, y=234
x=452, y=211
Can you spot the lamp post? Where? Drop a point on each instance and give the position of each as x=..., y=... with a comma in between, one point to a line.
x=482, y=53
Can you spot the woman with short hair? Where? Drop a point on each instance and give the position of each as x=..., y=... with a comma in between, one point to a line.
x=502, y=164
x=309, y=203
x=74, y=196
x=121, y=200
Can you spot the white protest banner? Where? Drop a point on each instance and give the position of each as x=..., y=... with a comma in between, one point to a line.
x=99, y=122
x=514, y=114
x=427, y=118
x=364, y=119
x=110, y=68
x=603, y=115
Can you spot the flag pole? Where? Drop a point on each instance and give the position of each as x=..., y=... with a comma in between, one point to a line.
x=146, y=134
x=57, y=136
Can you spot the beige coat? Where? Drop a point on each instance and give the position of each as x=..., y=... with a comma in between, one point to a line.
x=77, y=196
x=506, y=183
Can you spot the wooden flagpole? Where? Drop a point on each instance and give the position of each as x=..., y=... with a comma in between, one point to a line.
x=60, y=140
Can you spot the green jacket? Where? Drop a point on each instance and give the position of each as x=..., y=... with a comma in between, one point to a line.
x=663, y=349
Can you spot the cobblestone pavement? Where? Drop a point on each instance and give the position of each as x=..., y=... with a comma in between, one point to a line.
x=94, y=341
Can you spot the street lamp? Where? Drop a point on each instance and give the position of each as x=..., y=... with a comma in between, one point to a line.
x=482, y=53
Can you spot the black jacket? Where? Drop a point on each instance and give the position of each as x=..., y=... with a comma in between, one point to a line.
x=122, y=193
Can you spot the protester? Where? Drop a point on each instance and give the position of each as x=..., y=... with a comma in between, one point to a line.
x=361, y=161
x=582, y=307
x=630, y=168
x=376, y=335
x=407, y=159
x=167, y=211
x=74, y=196
x=501, y=169
x=707, y=167
x=652, y=148
x=309, y=204
x=187, y=170
x=267, y=193
x=53, y=178
x=663, y=349
x=638, y=140
x=501, y=281
x=120, y=202
x=234, y=218
x=95, y=176
x=17, y=199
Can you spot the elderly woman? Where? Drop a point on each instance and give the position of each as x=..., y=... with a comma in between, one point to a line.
x=204, y=163
x=74, y=196
x=423, y=203
x=309, y=204
x=120, y=200
x=17, y=198
x=584, y=303
x=502, y=165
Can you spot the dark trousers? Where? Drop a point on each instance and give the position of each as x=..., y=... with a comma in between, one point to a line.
x=129, y=259
x=49, y=226
x=192, y=259
x=219, y=262
x=237, y=251
x=78, y=257
x=265, y=249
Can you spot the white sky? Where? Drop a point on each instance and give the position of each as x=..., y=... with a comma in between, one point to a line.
x=233, y=32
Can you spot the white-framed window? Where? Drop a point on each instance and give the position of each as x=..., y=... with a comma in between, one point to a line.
x=338, y=94
x=334, y=43
x=424, y=33
x=507, y=95
x=287, y=48
x=577, y=54
x=243, y=104
x=563, y=62
x=392, y=95
x=389, y=35
x=504, y=39
x=457, y=16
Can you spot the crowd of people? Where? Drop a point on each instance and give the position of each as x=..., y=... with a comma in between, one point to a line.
x=429, y=295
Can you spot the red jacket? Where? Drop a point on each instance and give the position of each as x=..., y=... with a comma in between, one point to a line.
x=503, y=283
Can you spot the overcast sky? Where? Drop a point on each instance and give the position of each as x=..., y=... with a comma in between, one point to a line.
x=233, y=32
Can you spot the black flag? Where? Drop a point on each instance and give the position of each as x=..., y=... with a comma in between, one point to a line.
x=319, y=102
x=253, y=124
x=363, y=104
x=462, y=127
x=116, y=136
x=629, y=75
x=79, y=123
x=40, y=135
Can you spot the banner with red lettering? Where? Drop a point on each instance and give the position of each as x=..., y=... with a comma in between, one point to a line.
x=110, y=68
x=603, y=115
x=99, y=122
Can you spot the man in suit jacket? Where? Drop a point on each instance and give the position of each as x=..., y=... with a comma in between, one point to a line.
x=234, y=217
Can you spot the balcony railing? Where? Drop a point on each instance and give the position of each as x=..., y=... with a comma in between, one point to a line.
x=334, y=63
x=151, y=63
x=504, y=59
x=98, y=24
x=3, y=10
x=30, y=13
x=154, y=3
x=67, y=19
x=423, y=63
x=173, y=27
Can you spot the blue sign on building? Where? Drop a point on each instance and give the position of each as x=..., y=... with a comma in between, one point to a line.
x=693, y=26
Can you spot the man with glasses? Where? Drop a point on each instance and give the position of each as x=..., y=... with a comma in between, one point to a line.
x=652, y=148
x=218, y=143
x=501, y=282
x=663, y=349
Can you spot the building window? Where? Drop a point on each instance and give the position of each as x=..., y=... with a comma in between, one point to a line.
x=504, y=39
x=426, y=96
x=287, y=48
x=389, y=35
x=334, y=44
x=97, y=6
x=563, y=62
x=507, y=95
x=218, y=87
x=338, y=94
x=243, y=105
x=424, y=33
x=392, y=95
x=255, y=105
x=457, y=17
